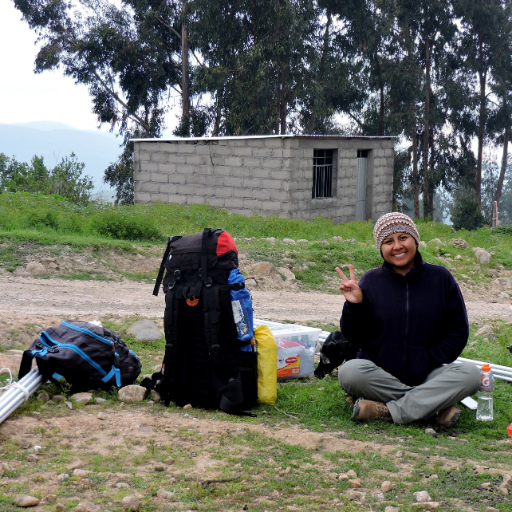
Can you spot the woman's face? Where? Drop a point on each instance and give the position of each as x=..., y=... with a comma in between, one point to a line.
x=399, y=250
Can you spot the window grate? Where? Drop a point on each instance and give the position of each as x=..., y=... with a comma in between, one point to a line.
x=322, y=173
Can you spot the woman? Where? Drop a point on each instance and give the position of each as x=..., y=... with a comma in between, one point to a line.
x=411, y=323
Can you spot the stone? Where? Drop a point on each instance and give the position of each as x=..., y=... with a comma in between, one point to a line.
x=343, y=477
x=423, y=245
x=32, y=458
x=51, y=498
x=286, y=273
x=58, y=398
x=81, y=398
x=431, y=431
x=355, y=483
x=380, y=497
x=399, y=454
x=80, y=473
x=24, y=500
x=502, y=283
x=145, y=330
x=435, y=241
x=322, y=242
x=170, y=460
x=485, y=329
x=422, y=496
x=485, y=486
x=491, y=509
x=302, y=241
x=457, y=257
x=132, y=393
x=62, y=477
x=188, y=407
x=351, y=473
x=101, y=416
x=337, y=239
x=69, y=405
x=131, y=503
x=159, y=468
x=503, y=490
x=354, y=495
x=507, y=480
x=386, y=486
x=157, y=367
x=429, y=505
x=76, y=464
x=459, y=242
x=164, y=495
x=482, y=256
x=99, y=400
x=263, y=268
x=14, y=352
x=391, y=509
x=36, y=269
x=44, y=397
x=86, y=506
x=155, y=395
x=122, y=485
x=288, y=241
x=491, y=272
x=60, y=507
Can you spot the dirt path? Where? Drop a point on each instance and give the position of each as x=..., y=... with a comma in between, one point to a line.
x=80, y=299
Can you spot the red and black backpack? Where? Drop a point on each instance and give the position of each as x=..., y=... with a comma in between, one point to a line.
x=204, y=365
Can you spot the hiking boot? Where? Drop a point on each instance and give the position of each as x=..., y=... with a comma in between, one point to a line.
x=447, y=417
x=367, y=410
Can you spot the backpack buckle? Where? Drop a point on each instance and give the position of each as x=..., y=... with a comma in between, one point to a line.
x=208, y=282
x=177, y=274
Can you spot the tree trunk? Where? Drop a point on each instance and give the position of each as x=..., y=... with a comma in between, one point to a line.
x=501, y=179
x=185, y=93
x=426, y=180
x=481, y=121
x=415, y=177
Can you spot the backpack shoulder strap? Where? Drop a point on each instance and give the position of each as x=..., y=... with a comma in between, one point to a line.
x=161, y=271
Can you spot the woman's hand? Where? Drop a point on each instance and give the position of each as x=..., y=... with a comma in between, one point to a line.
x=349, y=287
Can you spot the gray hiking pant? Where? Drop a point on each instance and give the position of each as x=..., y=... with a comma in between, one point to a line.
x=443, y=387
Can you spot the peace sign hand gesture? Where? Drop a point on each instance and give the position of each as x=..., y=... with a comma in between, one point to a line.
x=349, y=287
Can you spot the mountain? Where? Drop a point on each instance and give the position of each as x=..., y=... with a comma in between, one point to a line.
x=52, y=141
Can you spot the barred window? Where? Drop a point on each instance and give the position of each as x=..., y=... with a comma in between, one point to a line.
x=322, y=173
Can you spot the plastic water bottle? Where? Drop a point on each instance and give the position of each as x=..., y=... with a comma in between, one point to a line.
x=484, y=411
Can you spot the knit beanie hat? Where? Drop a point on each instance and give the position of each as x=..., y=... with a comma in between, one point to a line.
x=394, y=222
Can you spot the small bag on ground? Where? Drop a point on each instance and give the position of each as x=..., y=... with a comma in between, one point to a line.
x=86, y=355
x=209, y=360
x=335, y=350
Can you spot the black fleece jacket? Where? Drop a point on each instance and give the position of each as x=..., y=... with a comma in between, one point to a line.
x=408, y=325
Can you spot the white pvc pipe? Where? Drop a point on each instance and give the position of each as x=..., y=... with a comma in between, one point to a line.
x=19, y=393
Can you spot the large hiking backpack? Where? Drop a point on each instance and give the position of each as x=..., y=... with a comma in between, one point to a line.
x=86, y=355
x=205, y=364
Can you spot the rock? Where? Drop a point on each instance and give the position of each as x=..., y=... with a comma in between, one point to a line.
x=51, y=498
x=76, y=464
x=271, y=239
x=132, y=393
x=351, y=473
x=157, y=367
x=502, y=283
x=380, y=497
x=399, y=454
x=386, y=486
x=322, y=242
x=263, y=268
x=354, y=495
x=503, y=490
x=485, y=329
x=435, y=241
x=164, y=495
x=130, y=502
x=286, y=273
x=81, y=398
x=44, y=396
x=459, y=242
x=155, y=395
x=86, y=506
x=491, y=509
x=24, y=500
x=69, y=404
x=485, y=486
x=507, y=480
x=36, y=269
x=477, y=267
x=170, y=460
x=80, y=473
x=343, y=477
x=391, y=509
x=491, y=272
x=62, y=477
x=60, y=507
x=32, y=458
x=355, y=483
x=482, y=256
x=422, y=496
x=337, y=239
x=430, y=505
x=302, y=241
x=423, y=245
x=122, y=485
x=288, y=241
x=431, y=431
x=145, y=330
x=457, y=257
x=101, y=416
x=159, y=467
x=58, y=398
x=188, y=407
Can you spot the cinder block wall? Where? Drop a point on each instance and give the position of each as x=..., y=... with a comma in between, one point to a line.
x=263, y=175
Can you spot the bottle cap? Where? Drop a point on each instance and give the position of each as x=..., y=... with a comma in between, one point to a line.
x=486, y=367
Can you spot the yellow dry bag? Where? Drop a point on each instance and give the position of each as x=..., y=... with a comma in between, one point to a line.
x=267, y=365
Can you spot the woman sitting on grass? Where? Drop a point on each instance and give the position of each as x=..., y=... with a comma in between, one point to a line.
x=411, y=323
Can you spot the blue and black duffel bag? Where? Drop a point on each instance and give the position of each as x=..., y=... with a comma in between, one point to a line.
x=87, y=355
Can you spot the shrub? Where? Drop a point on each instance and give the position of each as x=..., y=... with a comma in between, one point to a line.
x=117, y=224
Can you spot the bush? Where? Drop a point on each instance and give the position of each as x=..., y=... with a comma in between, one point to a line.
x=503, y=229
x=119, y=225
x=48, y=219
x=466, y=213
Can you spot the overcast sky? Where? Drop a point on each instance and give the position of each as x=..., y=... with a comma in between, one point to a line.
x=26, y=96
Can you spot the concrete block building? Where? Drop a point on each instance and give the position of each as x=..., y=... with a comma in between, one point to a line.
x=343, y=178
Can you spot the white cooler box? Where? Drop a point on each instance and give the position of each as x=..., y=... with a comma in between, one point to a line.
x=296, y=346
